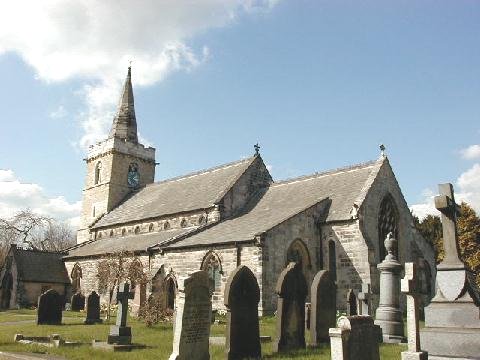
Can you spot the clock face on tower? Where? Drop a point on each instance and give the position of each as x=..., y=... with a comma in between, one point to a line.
x=133, y=177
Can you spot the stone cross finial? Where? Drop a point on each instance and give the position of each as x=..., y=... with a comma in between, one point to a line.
x=382, y=150
x=445, y=203
x=364, y=300
x=123, y=295
x=257, y=148
x=409, y=287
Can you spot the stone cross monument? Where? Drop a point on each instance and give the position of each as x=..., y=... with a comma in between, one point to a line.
x=120, y=333
x=364, y=300
x=389, y=315
x=452, y=320
x=410, y=288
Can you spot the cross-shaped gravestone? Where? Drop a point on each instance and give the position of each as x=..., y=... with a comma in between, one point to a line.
x=364, y=300
x=123, y=295
x=445, y=203
x=409, y=287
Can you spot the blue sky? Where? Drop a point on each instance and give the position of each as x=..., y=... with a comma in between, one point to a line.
x=319, y=84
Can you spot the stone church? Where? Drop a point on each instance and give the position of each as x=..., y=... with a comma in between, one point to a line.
x=232, y=214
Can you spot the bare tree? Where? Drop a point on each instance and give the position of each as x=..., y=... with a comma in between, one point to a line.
x=115, y=268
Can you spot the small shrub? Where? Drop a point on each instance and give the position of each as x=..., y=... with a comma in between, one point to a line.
x=154, y=311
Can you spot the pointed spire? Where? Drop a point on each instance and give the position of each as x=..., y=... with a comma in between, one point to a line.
x=124, y=124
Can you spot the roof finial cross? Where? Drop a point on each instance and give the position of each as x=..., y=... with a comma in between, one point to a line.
x=382, y=150
x=129, y=64
x=257, y=148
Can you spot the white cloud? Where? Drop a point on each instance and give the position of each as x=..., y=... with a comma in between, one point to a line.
x=94, y=40
x=471, y=152
x=16, y=195
x=58, y=113
x=467, y=188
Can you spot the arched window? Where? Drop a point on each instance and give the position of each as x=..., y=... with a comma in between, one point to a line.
x=202, y=220
x=76, y=275
x=111, y=233
x=166, y=225
x=297, y=252
x=387, y=222
x=137, y=229
x=150, y=228
x=98, y=173
x=124, y=231
x=332, y=259
x=211, y=264
x=99, y=235
x=183, y=223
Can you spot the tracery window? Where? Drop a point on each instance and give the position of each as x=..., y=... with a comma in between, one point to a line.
x=387, y=222
x=76, y=275
x=211, y=264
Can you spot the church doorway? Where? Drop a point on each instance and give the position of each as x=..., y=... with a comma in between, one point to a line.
x=298, y=253
x=6, y=291
x=76, y=276
x=170, y=292
x=211, y=264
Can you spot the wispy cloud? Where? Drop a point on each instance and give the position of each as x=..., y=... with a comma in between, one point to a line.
x=470, y=153
x=16, y=195
x=59, y=113
x=94, y=40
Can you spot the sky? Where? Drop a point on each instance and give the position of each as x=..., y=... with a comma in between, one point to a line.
x=318, y=84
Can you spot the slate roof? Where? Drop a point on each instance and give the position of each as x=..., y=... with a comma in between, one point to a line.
x=282, y=200
x=40, y=266
x=134, y=242
x=199, y=190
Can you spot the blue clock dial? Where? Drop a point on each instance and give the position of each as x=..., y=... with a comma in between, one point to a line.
x=133, y=177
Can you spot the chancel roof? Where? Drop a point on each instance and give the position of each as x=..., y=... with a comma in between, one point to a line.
x=40, y=266
x=199, y=190
x=340, y=189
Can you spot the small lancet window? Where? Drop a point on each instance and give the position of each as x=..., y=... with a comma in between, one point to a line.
x=183, y=223
x=111, y=233
x=98, y=173
x=150, y=228
x=137, y=229
x=166, y=225
x=123, y=231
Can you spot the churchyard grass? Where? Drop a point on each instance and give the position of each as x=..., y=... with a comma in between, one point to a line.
x=158, y=339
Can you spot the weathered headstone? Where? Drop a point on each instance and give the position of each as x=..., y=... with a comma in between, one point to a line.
x=292, y=291
x=78, y=302
x=193, y=311
x=324, y=307
x=364, y=300
x=388, y=315
x=452, y=320
x=408, y=286
x=49, y=311
x=93, y=309
x=351, y=303
x=120, y=333
x=354, y=338
x=241, y=299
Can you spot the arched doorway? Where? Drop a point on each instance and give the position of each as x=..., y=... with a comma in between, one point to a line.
x=7, y=287
x=298, y=253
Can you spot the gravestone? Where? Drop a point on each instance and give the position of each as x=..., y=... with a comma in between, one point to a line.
x=93, y=309
x=193, y=311
x=389, y=316
x=78, y=302
x=354, y=338
x=49, y=311
x=452, y=320
x=324, y=307
x=292, y=291
x=120, y=333
x=241, y=299
x=409, y=287
x=364, y=300
x=351, y=303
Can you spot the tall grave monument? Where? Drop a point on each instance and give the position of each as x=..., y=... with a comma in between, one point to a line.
x=452, y=320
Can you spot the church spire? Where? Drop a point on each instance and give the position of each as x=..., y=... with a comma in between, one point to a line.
x=124, y=124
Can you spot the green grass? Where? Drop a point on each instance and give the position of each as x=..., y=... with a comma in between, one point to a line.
x=158, y=339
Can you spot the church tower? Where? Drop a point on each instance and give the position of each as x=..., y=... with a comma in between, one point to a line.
x=116, y=166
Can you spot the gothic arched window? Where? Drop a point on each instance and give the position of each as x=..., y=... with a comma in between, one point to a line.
x=387, y=222
x=211, y=264
x=332, y=259
x=76, y=275
x=297, y=252
x=170, y=292
x=98, y=173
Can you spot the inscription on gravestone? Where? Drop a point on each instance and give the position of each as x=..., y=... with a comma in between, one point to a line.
x=192, y=319
x=241, y=299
